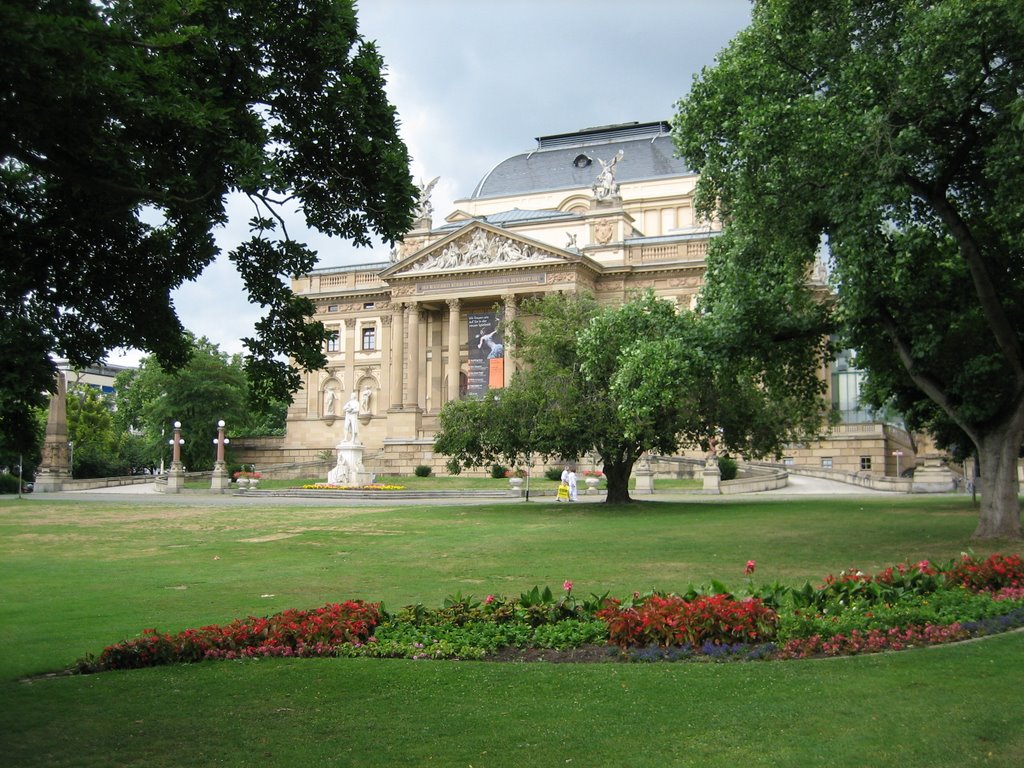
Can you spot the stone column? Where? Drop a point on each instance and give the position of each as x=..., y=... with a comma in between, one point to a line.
x=56, y=465
x=349, y=382
x=398, y=355
x=509, y=300
x=454, y=348
x=412, y=383
x=385, y=362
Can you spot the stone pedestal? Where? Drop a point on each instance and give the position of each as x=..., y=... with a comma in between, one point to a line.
x=712, y=476
x=220, y=481
x=175, y=478
x=349, y=470
x=933, y=477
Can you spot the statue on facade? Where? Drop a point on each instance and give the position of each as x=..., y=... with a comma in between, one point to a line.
x=364, y=399
x=351, y=411
x=424, y=209
x=329, y=399
x=605, y=186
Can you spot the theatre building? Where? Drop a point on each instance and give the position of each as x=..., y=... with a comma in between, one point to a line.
x=606, y=211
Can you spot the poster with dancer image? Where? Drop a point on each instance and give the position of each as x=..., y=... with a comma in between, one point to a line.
x=486, y=354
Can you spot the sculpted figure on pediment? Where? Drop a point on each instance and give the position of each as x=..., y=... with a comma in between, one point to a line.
x=479, y=250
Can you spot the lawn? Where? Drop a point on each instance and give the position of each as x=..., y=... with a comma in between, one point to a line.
x=75, y=577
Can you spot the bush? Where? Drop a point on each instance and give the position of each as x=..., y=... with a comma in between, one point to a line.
x=727, y=467
x=553, y=473
x=422, y=471
x=498, y=471
x=8, y=483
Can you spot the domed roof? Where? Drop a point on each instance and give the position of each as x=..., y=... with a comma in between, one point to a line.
x=570, y=160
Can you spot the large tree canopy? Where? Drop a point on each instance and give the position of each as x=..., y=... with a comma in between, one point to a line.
x=623, y=381
x=892, y=128
x=125, y=125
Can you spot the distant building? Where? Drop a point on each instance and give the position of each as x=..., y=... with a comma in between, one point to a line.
x=100, y=376
x=605, y=210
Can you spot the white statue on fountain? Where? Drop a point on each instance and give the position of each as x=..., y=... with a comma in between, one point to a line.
x=349, y=469
x=351, y=411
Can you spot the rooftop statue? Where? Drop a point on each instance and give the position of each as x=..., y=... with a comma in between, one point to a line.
x=605, y=187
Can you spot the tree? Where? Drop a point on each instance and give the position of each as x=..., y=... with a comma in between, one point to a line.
x=211, y=387
x=893, y=130
x=124, y=126
x=584, y=366
x=91, y=432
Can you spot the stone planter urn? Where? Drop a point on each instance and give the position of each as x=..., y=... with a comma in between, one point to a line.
x=516, y=483
x=242, y=483
x=592, y=483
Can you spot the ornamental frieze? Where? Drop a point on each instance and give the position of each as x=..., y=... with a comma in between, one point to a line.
x=480, y=249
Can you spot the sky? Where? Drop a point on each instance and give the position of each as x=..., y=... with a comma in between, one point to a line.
x=475, y=82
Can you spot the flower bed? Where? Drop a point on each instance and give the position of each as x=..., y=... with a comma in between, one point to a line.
x=905, y=606
x=370, y=487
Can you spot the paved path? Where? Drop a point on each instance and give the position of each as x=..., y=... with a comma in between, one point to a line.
x=799, y=486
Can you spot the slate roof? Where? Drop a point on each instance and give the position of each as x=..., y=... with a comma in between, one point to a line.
x=570, y=160
x=513, y=216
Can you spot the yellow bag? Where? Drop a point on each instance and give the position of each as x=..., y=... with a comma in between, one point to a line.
x=563, y=492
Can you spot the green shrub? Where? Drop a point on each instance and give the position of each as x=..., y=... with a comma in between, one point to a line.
x=554, y=473
x=8, y=483
x=498, y=471
x=422, y=471
x=727, y=467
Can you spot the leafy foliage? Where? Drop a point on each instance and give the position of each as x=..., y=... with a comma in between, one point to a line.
x=211, y=386
x=890, y=130
x=175, y=107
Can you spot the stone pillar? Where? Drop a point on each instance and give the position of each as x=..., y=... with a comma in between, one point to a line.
x=176, y=474
x=55, y=467
x=413, y=352
x=509, y=300
x=385, y=364
x=349, y=382
x=454, y=348
x=712, y=476
x=435, y=325
x=398, y=355
x=220, y=481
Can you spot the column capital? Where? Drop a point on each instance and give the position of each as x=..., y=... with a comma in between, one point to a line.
x=385, y=320
x=453, y=303
x=350, y=322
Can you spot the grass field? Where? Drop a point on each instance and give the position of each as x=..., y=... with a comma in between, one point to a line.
x=76, y=576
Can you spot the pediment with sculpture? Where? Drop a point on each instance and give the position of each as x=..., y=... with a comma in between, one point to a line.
x=477, y=246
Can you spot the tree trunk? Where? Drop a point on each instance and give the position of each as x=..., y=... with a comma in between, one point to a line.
x=1000, y=502
x=617, y=476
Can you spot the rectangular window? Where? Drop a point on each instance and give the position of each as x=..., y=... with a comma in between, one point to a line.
x=865, y=463
x=369, y=337
x=826, y=463
x=332, y=307
x=788, y=461
x=332, y=343
x=369, y=305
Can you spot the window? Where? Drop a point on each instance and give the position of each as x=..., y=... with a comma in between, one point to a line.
x=865, y=463
x=332, y=307
x=369, y=305
x=332, y=342
x=826, y=463
x=369, y=337
x=788, y=461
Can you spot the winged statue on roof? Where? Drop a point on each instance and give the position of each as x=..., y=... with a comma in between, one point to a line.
x=605, y=186
x=424, y=208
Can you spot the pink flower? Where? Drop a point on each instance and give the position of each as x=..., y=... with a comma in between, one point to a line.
x=567, y=585
x=751, y=565
x=489, y=599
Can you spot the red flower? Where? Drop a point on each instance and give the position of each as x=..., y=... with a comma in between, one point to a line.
x=751, y=565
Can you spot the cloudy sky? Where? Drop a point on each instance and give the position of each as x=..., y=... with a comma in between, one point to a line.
x=476, y=81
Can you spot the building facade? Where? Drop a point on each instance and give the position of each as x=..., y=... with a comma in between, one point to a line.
x=608, y=211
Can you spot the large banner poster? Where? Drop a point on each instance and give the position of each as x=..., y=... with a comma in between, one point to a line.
x=486, y=354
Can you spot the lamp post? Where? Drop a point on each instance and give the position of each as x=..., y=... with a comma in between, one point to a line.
x=220, y=480
x=176, y=475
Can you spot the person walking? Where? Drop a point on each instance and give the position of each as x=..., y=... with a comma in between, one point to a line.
x=571, y=480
